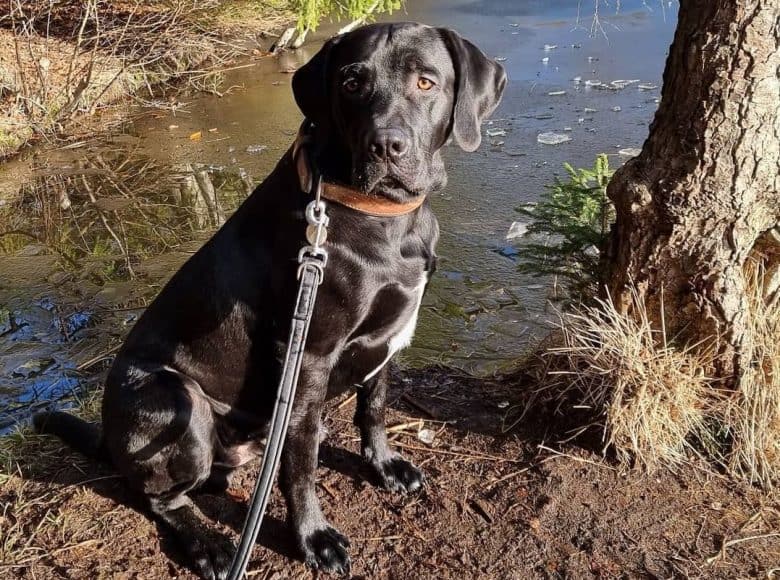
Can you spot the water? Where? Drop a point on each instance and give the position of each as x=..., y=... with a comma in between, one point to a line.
x=88, y=234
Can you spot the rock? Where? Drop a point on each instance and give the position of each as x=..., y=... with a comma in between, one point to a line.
x=427, y=436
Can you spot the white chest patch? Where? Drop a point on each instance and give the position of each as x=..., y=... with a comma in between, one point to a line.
x=404, y=337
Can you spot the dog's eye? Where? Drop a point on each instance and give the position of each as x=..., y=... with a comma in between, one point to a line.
x=351, y=85
x=425, y=84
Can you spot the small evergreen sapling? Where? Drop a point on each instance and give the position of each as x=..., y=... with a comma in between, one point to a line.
x=569, y=228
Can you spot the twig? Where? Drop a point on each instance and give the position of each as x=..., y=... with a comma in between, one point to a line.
x=96, y=359
x=346, y=401
x=574, y=458
x=466, y=455
x=722, y=552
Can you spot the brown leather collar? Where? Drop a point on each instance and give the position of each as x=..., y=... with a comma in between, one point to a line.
x=343, y=195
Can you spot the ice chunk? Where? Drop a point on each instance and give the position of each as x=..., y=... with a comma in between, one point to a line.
x=593, y=83
x=589, y=110
x=516, y=230
x=630, y=151
x=546, y=59
x=496, y=132
x=622, y=83
x=550, y=138
x=647, y=87
x=617, y=108
x=556, y=93
x=548, y=47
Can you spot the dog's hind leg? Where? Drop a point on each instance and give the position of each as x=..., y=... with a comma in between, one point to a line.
x=161, y=436
x=395, y=473
x=323, y=547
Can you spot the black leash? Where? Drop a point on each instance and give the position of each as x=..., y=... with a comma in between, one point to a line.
x=311, y=260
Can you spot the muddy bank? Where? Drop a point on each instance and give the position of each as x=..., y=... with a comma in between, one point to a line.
x=500, y=503
x=68, y=69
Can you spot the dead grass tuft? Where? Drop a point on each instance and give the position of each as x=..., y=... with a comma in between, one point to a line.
x=650, y=396
x=751, y=415
x=653, y=398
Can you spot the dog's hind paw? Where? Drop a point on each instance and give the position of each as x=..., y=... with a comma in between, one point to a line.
x=398, y=474
x=326, y=549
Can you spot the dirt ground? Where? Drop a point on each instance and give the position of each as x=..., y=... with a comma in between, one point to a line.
x=497, y=505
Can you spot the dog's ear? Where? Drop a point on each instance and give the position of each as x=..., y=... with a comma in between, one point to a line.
x=479, y=84
x=310, y=84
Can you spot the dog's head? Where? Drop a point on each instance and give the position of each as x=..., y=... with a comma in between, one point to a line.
x=385, y=98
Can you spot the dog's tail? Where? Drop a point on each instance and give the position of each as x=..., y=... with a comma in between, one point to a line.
x=84, y=437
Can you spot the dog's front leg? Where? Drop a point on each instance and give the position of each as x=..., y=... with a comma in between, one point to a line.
x=323, y=546
x=395, y=473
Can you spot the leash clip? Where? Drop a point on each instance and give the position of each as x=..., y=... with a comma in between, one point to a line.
x=312, y=257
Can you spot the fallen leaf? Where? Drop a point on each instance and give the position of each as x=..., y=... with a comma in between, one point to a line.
x=196, y=136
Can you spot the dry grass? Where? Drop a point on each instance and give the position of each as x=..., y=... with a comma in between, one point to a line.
x=31, y=511
x=649, y=395
x=62, y=60
x=653, y=398
x=751, y=415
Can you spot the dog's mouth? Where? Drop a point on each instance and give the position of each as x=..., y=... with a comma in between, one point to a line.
x=391, y=185
x=376, y=180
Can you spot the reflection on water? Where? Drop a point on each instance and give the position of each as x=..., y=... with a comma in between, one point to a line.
x=89, y=234
x=85, y=243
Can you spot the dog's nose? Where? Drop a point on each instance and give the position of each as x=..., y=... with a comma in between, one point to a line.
x=388, y=144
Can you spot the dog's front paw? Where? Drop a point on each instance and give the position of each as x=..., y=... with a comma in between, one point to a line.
x=398, y=474
x=326, y=549
x=211, y=557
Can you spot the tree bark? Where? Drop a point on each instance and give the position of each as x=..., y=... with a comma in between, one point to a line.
x=705, y=189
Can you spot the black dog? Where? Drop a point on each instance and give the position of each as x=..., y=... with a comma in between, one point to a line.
x=190, y=394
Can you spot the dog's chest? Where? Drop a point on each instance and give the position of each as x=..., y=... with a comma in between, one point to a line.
x=387, y=328
x=405, y=324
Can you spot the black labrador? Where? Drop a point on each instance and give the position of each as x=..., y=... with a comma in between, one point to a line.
x=189, y=396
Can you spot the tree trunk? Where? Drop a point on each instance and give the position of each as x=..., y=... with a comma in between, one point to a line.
x=692, y=207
